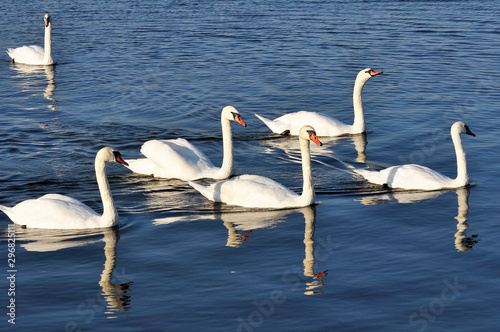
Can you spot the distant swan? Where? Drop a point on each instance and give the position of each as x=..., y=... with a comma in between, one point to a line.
x=324, y=124
x=35, y=55
x=179, y=159
x=62, y=212
x=423, y=178
x=260, y=192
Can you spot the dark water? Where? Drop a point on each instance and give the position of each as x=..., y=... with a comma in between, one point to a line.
x=132, y=71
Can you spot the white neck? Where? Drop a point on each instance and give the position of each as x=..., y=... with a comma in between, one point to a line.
x=227, y=141
x=308, y=194
x=109, y=216
x=462, y=176
x=357, y=101
x=47, y=55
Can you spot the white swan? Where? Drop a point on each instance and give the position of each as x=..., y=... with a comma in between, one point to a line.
x=260, y=192
x=179, y=159
x=35, y=55
x=423, y=178
x=56, y=211
x=325, y=125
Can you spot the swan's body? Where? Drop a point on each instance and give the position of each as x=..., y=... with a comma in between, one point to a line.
x=179, y=159
x=35, y=55
x=260, y=192
x=62, y=212
x=323, y=124
x=418, y=177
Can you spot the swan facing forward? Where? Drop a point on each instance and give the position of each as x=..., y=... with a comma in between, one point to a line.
x=35, y=55
x=418, y=177
x=56, y=211
x=179, y=159
x=255, y=191
x=325, y=125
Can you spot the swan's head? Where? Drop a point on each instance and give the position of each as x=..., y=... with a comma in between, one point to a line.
x=461, y=128
x=47, y=19
x=308, y=133
x=110, y=155
x=367, y=73
x=231, y=113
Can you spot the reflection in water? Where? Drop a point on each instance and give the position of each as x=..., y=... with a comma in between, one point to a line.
x=309, y=260
x=30, y=75
x=52, y=240
x=290, y=145
x=462, y=242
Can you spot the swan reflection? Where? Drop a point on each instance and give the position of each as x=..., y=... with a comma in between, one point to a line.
x=115, y=294
x=310, y=260
x=291, y=146
x=462, y=242
x=241, y=223
x=30, y=77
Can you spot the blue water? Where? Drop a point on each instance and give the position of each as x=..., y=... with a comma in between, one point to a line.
x=132, y=71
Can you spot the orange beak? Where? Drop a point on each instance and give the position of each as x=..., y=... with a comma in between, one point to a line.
x=315, y=139
x=120, y=160
x=374, y=72
x=238, y=119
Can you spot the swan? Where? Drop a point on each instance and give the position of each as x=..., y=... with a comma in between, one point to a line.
x=324, y=124
x=256, y=191
x=179, y=159
x=418, y=177
x=35, y=55
x=54, y=211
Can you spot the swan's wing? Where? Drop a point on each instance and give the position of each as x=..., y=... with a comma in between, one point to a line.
x=26, y=54
x=249, y=191
x=52, y=211
x=292, y=122
x=410, y=176
x=178, y=158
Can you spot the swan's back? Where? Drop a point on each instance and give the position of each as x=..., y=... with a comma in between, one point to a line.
x=30, y=55
x=292, y=122
x=178, y=158
x=250, y=191
x=409, y=176
x=52, y=211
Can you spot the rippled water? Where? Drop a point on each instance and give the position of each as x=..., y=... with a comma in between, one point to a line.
x=131, y=71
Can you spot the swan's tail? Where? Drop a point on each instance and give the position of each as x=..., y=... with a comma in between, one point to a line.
x=270, y=123
x=203, y=190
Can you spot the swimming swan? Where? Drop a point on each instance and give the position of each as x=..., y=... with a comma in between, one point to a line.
x=35, y=55
x=179, y=159
x=56, y=211
x=260, y=192
x=325, y=125
x=423, y=178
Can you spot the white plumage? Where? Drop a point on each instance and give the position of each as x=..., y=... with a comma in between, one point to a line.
x=256, y=191
x=35, y=55
x=324, y=124
x=418, y=177
x=56, y=211
x=179, y=159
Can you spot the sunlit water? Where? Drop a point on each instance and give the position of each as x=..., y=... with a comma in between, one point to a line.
x=132, y=71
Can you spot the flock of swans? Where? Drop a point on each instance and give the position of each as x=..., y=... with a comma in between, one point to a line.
x=179, y=159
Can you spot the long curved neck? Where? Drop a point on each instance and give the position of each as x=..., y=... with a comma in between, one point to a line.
x=47, y=55
x=308, y=194
x=109, y=216
x=357, y=102
x=227, y=141
x=462, y=175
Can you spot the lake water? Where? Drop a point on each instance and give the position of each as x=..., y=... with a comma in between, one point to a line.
x=131, y=71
